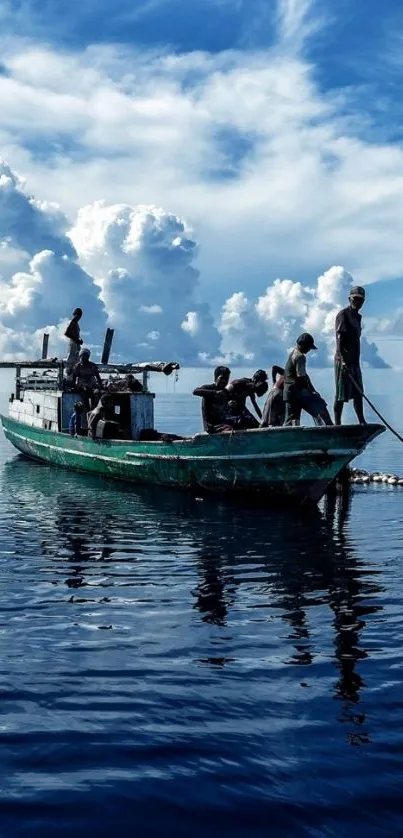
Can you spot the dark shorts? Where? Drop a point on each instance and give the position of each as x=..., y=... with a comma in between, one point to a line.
x=303, y=399
x=312, y=403
x=345, y=390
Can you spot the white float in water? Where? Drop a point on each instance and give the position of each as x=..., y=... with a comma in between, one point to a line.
x=362, y=477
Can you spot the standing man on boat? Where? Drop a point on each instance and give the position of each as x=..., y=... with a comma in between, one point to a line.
x=347, y=358
x=73, y=334
x=299, y=392
x=215, y=402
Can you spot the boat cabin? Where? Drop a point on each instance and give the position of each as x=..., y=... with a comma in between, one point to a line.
x=44, y=399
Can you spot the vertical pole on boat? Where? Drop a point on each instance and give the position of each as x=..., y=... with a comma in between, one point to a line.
x=45, y=344
x=107, y=346
x=60, y=376
x=145, y=381
x=17, y=381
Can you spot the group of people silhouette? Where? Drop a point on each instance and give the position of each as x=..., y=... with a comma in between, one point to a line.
x=224, y=401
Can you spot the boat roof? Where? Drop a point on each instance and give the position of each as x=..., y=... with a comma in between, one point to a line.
x=167, y=367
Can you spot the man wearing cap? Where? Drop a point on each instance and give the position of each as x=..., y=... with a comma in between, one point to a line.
x=299, y=392
x=73, y=333
x=347, y=357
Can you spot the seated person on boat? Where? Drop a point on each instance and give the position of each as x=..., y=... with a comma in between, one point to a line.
x=299, y=392
x=241, y=389
x=274, y=408
x=129, y=384
x=86, y=379
x=101, y=421
x=215, y=399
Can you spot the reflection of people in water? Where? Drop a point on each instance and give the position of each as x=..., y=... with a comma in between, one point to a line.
x=345, y=593
x=326, y=573
x=212, y=599
x=80, y=535
x=77, y=527
x=272, y=566
x=213, y=594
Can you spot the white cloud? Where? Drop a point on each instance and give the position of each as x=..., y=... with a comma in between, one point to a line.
x=142, y=259
x=155, y=309
x=191, y=323
x=269, y=327
x=41, y=281
x=245, y=144
x=298, y=20
x=237, y=327
x=133, y=267
x=391, y=325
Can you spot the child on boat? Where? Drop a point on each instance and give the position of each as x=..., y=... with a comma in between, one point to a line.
x=76, y=419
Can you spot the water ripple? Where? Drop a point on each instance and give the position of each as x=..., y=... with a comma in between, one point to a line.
x=171, y=666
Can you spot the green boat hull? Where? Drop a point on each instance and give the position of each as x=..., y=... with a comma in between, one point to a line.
x=297, y=462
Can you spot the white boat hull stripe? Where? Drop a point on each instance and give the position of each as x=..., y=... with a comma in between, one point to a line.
x=129, y=455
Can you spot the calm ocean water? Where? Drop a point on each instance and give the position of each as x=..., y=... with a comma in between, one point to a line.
x=184, y=667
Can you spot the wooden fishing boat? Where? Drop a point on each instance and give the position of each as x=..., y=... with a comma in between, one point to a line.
x=298, y=462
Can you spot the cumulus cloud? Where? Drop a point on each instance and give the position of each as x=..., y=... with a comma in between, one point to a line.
x=41, y=280
x=134, y=268
x=130, y=267
x=142, y=259
x=191, y=323
x=247, y=144
x=268, y=327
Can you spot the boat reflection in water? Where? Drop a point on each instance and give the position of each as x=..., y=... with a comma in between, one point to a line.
x=232, y=573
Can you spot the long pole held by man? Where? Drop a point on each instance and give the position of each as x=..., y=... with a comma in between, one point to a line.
x=349, y=384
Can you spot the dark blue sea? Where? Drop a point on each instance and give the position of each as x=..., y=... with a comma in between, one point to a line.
x=176, y=666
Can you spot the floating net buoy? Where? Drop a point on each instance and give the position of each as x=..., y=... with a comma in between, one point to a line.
x=356, y=475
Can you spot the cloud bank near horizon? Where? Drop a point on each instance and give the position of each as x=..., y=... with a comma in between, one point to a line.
x=134, y=268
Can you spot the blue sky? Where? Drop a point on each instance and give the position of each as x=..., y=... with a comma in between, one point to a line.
x=273, y=128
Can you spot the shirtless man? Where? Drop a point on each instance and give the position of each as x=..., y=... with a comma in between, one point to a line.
x=240, y=390
x=73, y=333
x=215, y=402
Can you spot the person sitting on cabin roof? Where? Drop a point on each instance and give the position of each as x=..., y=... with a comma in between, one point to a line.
x=76, y=419
x=215, y=402
x=86, y=379
x=299, y=392
x=274, y=407
x=73, y=333
x=128, y=384
x=240, y=390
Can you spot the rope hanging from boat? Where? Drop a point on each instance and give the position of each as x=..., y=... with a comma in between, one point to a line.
x=372, y=406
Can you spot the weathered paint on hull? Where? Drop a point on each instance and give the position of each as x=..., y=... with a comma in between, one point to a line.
x=299, y=462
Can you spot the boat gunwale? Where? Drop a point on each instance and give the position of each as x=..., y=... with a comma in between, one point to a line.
x=186, y=449
x=376, y=428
